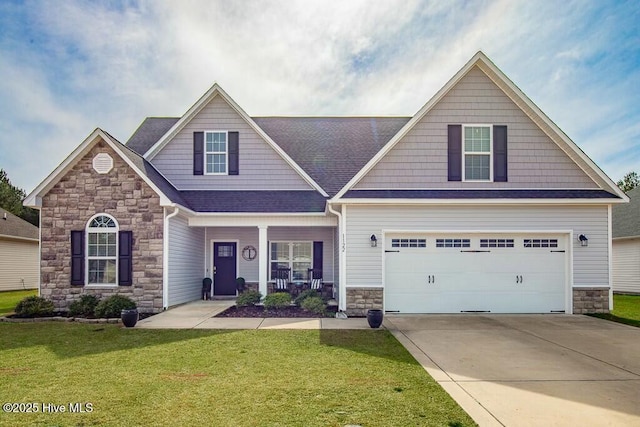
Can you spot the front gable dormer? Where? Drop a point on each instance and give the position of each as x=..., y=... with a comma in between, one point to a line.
x=480, y=132
x=217, y=146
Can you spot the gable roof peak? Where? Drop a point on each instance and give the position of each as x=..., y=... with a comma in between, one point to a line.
x=521, y=100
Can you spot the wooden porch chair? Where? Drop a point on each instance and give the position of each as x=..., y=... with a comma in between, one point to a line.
x=282, y=280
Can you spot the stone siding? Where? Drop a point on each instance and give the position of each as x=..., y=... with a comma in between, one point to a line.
x=83, y=193
x=359, y=300
x=590, y=300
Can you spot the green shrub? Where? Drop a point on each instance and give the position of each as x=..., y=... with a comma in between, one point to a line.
x=85, y=306
x=34, y=306
x=277, y=300
x=112, y=306
x=309, y=293
x=248, y=298
x=314, y=305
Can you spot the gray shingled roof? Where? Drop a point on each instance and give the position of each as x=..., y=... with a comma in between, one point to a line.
x=149, y=132
x=478, y=194
x=15, y=226
x=625, y=217
x=330, y=149
x=255, y=201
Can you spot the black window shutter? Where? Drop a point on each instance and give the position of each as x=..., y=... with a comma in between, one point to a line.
x=455, y=152
x=125, y=259
x=77, y=258
x=198, y=153
x=317, y=256
x=500, y=153
x=234, y=153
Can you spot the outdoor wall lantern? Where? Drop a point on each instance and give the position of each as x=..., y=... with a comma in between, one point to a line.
x=583, y=240
x=374, y=241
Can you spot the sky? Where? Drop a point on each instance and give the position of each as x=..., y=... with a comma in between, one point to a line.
x=67, y=67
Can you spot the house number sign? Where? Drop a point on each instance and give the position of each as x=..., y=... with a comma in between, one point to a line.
x=249, y=253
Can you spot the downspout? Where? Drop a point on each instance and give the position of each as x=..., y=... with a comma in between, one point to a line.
x=165, y=256
x=342, y=303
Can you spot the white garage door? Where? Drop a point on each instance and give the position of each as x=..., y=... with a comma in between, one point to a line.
x=475, y=273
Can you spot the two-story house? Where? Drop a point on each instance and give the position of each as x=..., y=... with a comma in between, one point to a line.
x=478, y=202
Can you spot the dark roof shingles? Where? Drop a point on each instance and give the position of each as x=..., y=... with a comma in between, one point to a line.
x=254, y=201
x=331, y=149
x=149, y=132
x=625, y=217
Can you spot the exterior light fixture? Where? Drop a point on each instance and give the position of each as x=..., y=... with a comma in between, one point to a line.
x=583, y=240
x=374, y=241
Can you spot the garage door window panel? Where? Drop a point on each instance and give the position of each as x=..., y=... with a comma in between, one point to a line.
x=540, y=243
x=453, y=243
x=408, y=243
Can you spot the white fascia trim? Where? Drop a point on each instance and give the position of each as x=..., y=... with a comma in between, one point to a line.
x=480, y=59
x=200, y=104
x=476, y=201
x=24, y=239
x=34, y=199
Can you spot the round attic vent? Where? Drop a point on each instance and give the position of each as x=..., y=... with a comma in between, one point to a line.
x=102, y=163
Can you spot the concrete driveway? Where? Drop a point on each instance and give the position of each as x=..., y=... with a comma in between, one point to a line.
x=530, y=370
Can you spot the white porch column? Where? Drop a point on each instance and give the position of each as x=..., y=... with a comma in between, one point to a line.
x=263, y=259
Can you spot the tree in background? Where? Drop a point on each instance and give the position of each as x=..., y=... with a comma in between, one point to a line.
x=11, y=198
x=629, y=182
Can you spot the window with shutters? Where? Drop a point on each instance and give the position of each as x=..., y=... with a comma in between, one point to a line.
x=216, y=153
x=102, y=250
x=297, y=256
x=477, y=153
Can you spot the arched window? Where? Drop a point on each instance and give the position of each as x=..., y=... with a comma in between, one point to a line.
x=102, y=250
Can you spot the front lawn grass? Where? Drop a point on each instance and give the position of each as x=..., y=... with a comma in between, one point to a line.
x=9, y=299
x=626, y=309
x=136, y=377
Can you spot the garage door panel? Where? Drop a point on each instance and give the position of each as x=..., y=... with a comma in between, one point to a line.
x=525, y=275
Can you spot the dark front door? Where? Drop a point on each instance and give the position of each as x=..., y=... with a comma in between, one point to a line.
x=224, y=267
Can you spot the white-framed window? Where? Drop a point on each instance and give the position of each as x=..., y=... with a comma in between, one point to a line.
x=477, y=153
x=216, y=153
x=297, y=256
x=102, y=250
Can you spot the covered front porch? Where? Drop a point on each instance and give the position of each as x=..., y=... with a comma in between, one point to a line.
x=252, y=247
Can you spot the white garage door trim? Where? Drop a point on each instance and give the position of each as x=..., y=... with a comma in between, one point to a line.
x=566, y=235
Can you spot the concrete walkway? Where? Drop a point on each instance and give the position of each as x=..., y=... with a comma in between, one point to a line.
x=530, y=370
x=199, y=315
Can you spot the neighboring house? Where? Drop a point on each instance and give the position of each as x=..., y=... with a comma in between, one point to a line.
x=476, y=203
x=19, y=258
x=626, y=245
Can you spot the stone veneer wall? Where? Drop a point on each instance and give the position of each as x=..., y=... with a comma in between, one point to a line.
x=590, y=300
x=121, y=193
x=359, y=300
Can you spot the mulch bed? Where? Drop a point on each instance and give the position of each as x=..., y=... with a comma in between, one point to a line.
x=259, y=311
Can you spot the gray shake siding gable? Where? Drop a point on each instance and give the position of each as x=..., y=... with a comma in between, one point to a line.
x=79, y=195
x=419, y=160
x=261, y=168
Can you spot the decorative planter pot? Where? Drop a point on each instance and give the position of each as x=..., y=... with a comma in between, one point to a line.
x=374, y=317
x=129, y=317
